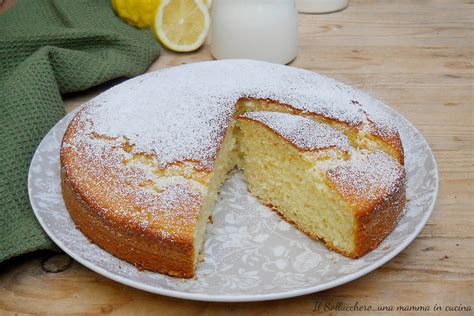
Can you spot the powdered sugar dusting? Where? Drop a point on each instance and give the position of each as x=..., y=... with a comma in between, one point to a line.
x=301, y=131
x=128, y=193
x=368, y=177
x=181, y=113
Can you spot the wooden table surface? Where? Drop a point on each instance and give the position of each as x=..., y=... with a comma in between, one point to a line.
x=417, y=56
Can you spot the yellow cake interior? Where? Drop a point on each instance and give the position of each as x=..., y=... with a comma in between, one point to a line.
x=291, y=181
x=226, y=160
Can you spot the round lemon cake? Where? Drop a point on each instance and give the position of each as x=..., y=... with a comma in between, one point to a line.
x=143, y=162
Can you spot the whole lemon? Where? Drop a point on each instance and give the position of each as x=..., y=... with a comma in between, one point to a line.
x=139, y=13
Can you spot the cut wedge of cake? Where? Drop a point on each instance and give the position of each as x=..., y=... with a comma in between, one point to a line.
x=308, y=172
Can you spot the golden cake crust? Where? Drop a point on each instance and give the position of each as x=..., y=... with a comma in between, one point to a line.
x=175, y=259
x=374, y=226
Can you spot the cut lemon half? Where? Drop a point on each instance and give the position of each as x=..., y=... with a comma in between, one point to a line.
x=182, y=25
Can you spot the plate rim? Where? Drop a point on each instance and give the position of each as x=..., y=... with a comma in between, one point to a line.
x=237, y=298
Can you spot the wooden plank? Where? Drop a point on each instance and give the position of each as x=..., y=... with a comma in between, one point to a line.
x=431, y=264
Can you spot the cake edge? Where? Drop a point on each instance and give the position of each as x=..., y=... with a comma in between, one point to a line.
x=173, y=259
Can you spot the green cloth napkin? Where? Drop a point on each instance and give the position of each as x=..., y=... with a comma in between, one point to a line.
x=48, y=48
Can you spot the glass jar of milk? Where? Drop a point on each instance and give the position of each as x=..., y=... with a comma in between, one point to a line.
x=254, y=29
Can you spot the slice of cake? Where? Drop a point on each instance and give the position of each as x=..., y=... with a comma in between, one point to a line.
x=308, y=172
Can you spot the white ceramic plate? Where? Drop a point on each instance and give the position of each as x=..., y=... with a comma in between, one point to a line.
x=251, y=254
